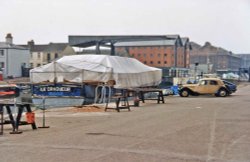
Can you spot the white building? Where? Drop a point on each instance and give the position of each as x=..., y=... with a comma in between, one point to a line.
x=13, y=58
x=245, y=60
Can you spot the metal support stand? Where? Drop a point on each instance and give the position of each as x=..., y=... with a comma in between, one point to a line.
x=15, y=123
x=44, y=126
x=118, y=98
x=1, y=114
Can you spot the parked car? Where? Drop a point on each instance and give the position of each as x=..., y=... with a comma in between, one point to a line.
x=213, y=86
x=231, y=86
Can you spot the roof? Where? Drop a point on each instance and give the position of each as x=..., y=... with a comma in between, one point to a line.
x=173, y=36
x=57, y=46
x=87, y=41
x=184, y=40
x=209, y=49
x=244, y=55
x=11, y=46
x=51, y=47
x=195, y=45
x=147, y=43
x=214, y=49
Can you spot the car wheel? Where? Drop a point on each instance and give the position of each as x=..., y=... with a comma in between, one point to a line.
x=184, y=93
x=222, y=93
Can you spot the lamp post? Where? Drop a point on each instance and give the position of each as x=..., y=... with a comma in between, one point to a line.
x=195, y=70
x=249, y=74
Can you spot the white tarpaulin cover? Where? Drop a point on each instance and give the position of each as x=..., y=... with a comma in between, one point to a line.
x=126, y=72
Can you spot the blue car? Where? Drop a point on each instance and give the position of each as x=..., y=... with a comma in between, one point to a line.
x=231, y=86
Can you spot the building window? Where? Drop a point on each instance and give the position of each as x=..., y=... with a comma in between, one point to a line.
x=48, y=57
x=132, y=55
x=56, y=55
x=159, y=62
x=38, y=65
x=145, y=55
x=38, y=55
x=165, y=55
x=151, y=62
x=151, y=55
x=139, y=55
x=31, y=65
x=1, y=52
x=165, y=62
x=1, y=65
x=145, y=62
x=159, y=55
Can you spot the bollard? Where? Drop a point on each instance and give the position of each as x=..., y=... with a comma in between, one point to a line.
x=136, y=102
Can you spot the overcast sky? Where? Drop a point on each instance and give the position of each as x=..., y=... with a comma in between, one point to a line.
x=224, y=23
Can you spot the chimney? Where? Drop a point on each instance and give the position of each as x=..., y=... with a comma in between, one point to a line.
x=9, y=38
x=207, y=44
x=31, y=43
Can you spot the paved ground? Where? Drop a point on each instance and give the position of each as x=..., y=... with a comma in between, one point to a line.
x=194, y=129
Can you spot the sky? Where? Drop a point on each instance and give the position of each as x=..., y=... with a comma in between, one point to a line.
x=223, y=23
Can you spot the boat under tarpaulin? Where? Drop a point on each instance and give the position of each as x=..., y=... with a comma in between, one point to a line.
x=125, y=72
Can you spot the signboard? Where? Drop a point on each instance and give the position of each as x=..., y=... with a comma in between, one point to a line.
x=58, y=90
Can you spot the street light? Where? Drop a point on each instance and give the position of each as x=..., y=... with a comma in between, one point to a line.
x=195, y=70
x=249, y=74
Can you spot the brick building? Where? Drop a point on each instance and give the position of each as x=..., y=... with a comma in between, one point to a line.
x=214, y=59
x=186, y=51
x=171, y=55
x=169, y=52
